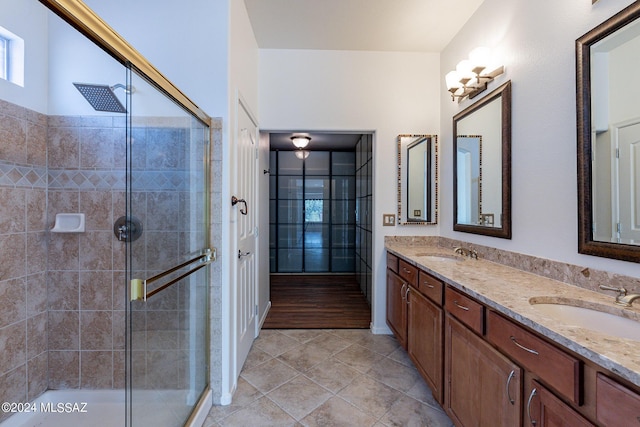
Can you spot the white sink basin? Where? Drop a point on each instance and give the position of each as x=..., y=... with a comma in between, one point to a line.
x=592, y=319
x=445, y=258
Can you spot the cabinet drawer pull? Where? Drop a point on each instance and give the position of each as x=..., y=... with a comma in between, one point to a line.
x=522, y=347
x=460, y=306
x=406, y=271
x=403, y=294
x=533, y=393
x=511, y=375
x=406, y=295
x=428, y=285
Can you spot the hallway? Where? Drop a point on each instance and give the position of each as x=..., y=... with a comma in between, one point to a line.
x=346, y=377
x=321, y=301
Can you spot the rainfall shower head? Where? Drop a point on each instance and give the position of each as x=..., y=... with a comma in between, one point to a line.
x=102, y=97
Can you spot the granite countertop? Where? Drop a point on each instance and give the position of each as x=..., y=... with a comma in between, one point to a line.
x=508, y=290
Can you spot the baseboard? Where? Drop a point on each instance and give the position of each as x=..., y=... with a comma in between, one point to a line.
x=263, y=318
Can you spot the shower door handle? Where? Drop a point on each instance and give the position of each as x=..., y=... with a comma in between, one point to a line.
x=235, y=201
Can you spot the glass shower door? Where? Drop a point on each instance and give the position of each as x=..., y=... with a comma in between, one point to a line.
x=166, y=229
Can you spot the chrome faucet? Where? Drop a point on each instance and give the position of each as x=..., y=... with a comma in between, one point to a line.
x=461, y=251
x=622, y=298
x=471, y=253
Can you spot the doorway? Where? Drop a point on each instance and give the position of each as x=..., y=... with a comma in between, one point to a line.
x=320, y=201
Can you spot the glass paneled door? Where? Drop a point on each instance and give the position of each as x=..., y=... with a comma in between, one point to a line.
x=312, y=212
x=167, y=257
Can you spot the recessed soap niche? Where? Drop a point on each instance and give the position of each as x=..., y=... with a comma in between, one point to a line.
x=69, y=223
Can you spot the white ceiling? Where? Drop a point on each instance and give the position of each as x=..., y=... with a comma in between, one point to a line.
x=370, y=25
x=374, y=25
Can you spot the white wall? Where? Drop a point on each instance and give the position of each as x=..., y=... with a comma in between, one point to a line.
x=384, y=92
x=189, y=45
x=28, y=20
x=536, y=41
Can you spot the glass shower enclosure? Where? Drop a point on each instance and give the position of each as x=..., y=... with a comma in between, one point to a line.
x=160, y=234
x=166, y=231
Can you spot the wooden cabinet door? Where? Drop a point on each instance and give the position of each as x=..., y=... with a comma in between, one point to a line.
x=397, y=307
x=482, y=387
x=424, y=336
x=616, y=405
x=544, y=409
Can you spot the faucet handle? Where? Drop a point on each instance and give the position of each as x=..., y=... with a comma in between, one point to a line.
x=620, y=291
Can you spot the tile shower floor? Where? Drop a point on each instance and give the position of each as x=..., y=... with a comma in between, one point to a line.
x=338, y=377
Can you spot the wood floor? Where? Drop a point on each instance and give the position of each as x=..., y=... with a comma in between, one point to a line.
x=317, y=302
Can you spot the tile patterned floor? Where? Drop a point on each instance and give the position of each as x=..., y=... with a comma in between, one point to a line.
x=339, y=377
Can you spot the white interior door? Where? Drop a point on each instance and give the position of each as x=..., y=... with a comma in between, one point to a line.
x=629, y=183
x=246, y=226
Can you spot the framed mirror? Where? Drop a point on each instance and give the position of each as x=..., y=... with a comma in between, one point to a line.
x=608, y=128
x=417, y=179
x=482, y=166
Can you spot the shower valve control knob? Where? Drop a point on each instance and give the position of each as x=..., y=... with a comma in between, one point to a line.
x=122, y=233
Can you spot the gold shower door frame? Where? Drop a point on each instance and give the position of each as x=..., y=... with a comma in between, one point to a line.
x=196, y=270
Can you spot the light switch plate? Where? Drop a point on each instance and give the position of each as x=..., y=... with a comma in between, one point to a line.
x=388, y=219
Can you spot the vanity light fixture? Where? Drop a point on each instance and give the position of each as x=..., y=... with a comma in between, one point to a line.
x=472, y=75
x=302, y=154
x=300, y=141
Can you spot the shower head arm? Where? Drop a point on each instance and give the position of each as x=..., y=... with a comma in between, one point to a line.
x=127, y=89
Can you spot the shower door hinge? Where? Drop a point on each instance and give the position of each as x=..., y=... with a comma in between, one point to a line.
x=256, y=309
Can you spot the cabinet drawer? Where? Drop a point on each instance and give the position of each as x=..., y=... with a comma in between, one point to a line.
x=468, y=311
x=430, y=287
x=408, y=272
x=392, y=262
x=552, y=365
x=616, y=405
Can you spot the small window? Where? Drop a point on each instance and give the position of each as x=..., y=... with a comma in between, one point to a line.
x=11, y=57
x=4, y=58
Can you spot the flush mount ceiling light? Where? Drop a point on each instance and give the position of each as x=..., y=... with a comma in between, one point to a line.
x=300, y=141
x=472, y=75
x=302, y=154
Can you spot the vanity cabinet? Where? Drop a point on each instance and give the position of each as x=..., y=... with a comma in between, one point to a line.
x=555, y=367
x=616, y=405
x=483, y=387
x=415, y=315
x=544, y=409
x=397, y=306
x=424, y=331
x=487, y=369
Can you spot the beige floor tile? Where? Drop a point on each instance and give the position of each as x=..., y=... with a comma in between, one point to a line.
x=333, y=375
x=256, y=357
x=370, y=396
x=304, y=357
x=269, y=375
x=400, y=355
x=274, y=343
x=303, y=335
x=395, y=374
x=335, y=412
x=408, y=412
x=358, y=357
x=299, y=396
x=383, y=344
x=262, y=412
x=421, y=391
x=330, y=342
x=328, y=378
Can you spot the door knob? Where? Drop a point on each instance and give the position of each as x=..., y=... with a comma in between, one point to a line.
x=235, y=201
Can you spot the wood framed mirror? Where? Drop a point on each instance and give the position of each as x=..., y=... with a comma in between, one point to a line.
x=608, y=130
x=482, y=166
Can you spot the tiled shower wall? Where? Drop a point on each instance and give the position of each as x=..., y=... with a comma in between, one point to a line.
x=23, y=245
x=62, y=317
x=86, y=294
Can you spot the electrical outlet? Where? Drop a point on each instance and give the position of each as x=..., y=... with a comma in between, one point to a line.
x=388, y=219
